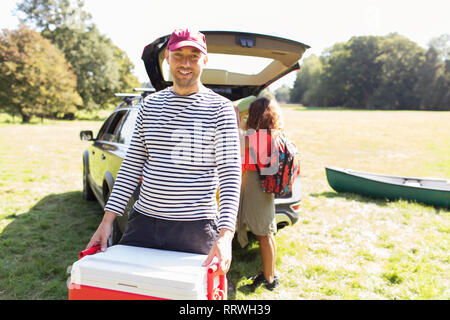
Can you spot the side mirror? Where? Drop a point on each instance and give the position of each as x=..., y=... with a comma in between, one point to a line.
x=86, y=135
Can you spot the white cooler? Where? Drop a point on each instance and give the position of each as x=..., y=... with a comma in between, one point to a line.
x=127, y=272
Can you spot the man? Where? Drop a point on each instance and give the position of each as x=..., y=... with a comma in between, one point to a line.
x=185, y=144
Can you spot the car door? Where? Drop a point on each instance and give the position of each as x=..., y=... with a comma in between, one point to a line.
x=120, y=141
x=94, y=154
x=124, y=136
x=105, y=148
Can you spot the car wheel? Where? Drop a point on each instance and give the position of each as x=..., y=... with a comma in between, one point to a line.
x=88, y=194
x=282, y=219
x=281, y=225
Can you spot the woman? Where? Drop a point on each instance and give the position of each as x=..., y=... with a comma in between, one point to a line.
x=257, y=208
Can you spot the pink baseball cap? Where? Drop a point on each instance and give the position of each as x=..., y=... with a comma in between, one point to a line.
x=186, y=38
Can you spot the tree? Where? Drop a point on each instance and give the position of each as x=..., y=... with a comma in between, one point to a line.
x=401, y=61
x=351, y=73
x=127, y=79
x=283, y=93
x=334, y=82
x=35, y=78
x=306, y=89
x=441, y=89
x=377, y=72
x=434, y=77
x=364, y=70
x=101, y=67
x=442, y=46
x=48, y=15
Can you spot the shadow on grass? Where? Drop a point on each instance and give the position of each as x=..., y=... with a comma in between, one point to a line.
x=352, y=197
x=37, y=247
x=246, y=263
x=300, y=107
x=378, y=201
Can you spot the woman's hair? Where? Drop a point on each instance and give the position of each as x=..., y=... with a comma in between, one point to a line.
x=264, y=114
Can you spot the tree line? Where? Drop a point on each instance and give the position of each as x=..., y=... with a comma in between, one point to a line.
x=375, y=72
x=57, y=62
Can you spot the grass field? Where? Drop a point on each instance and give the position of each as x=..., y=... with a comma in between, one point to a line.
x=343, y=247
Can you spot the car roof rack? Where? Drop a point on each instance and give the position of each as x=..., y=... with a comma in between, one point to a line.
x=127, y=98
x=151, y=90
x=144, y=91
x=130, y=95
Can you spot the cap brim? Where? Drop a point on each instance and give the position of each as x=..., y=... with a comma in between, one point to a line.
x=187, y=43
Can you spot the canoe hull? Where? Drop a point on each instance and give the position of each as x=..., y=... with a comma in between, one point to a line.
x=342, y=180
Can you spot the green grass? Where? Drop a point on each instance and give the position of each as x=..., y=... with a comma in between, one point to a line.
x=344, y=246
x=43, y=220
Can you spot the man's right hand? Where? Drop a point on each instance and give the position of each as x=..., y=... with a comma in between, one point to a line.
x=101, y=235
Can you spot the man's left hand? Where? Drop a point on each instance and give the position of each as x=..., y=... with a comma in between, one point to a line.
x=222, y=250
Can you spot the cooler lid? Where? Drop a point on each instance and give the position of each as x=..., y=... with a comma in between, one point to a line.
x=153, y=272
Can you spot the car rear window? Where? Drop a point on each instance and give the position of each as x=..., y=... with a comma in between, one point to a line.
x=126, y=131
x=109, y=131
x=231, y=69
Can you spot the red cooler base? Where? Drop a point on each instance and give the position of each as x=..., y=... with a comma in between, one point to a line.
x=80, y=292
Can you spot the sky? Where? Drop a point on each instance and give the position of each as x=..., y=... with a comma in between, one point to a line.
x=132, y=24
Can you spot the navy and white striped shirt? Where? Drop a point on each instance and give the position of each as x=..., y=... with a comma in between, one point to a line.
x=184, y=147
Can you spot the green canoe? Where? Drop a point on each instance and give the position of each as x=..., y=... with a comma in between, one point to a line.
x=425, y=190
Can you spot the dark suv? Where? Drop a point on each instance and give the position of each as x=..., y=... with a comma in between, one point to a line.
x=240, y=66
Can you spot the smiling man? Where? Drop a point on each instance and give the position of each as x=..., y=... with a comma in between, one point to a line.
x=185, y=145
x=186, y=64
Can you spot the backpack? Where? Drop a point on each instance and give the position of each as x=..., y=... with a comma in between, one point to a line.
x=287, y=168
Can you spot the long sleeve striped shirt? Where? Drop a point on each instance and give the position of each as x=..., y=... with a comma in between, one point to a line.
x=183, y=147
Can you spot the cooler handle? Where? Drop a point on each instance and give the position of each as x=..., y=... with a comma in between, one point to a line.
x=87, y=252
x=219, y=293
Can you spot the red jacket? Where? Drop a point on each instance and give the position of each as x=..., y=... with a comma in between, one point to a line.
x=257, y=150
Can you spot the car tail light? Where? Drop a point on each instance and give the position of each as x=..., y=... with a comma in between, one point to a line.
x=296, y=206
